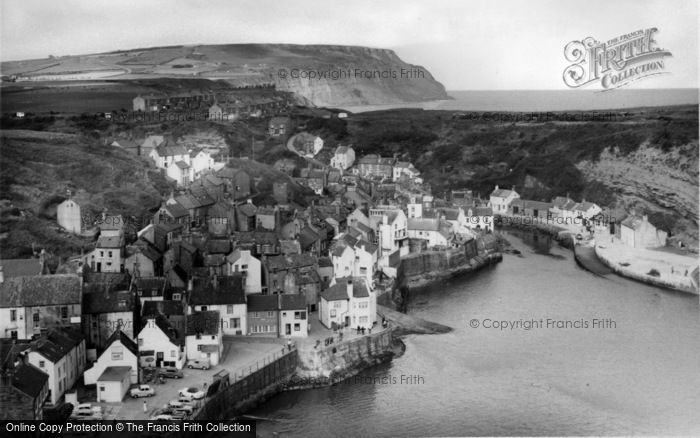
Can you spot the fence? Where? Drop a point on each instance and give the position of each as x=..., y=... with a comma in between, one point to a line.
x=245, y=392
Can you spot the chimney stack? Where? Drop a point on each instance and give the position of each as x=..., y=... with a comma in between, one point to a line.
x=2, y=275
x=190, y=284
x=42, y=261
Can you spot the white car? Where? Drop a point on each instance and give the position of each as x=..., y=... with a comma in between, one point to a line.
x=184, y=409
x=87, y=408
x=87, y=416
x=162, y=417
x=142, y=391
x=191, y=393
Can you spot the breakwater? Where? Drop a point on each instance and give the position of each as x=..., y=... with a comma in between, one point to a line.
x=666, y=283
x=244, y=394
x=328, y=365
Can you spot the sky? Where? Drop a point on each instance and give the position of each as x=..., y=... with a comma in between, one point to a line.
x=465, y=44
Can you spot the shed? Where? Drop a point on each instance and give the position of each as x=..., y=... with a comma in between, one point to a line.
x=113, y=384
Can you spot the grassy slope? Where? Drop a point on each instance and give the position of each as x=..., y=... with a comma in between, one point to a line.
x=38, y=167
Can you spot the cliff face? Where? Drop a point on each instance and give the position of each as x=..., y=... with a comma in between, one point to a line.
x=356, y=76
x=663, y=180
x=325, y=75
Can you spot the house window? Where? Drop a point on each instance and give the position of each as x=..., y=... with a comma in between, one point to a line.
x=229, y=308
x=139, y=292
x=42, y=364
x=140, y=342
x=300, y=315
x=36, y=319
x=102, y=253
x=337, y=304
x=235, y=323
x=13, y=315
x=213, y=337
x=364, y=304
x=363, y=270
x=284, y=314
x=332, y=313
x=297, y=327
x=109, y=254
x=177, y=297
x=173, y=353
x=203, y=308
x=270, y=314
x=244, y=267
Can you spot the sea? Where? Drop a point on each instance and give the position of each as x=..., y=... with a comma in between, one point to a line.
x=540, y=347
x=549, y=100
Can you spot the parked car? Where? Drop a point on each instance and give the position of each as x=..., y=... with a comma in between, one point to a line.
x=191, y=393
x=201, y=364
x=162, y=417
x=185, y=409
x=171, y=373
x=86, y=416
x=175, y=403
x=87, y=408
x=142, y=391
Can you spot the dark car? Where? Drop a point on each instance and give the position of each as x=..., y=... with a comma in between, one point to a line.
x=171, y=373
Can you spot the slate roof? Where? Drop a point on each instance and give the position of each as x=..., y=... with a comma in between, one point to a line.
x=164, y=325
x=114, y=374
x=584, y=206
x=284, y=262
x=164, y=307
x=203, y=323
x=20, y=267
x=502, y=193
x=278, y=121
x=41, y=290
x=218, y=246
x=225, y=289
x=214, y=260
x=325, y=262
x=290, y=246
x=176, y=210
x=248, y=209
x=424, y=224
x=114, y=242
x=262, y=303
x=151, y=286
x=29, y=380
x=292, y=302
x=483, y=211
x=451, y=214
x=114, y=301
x=535, y=205
x=57, y=343
x=165, y=150
x=337, y=292
x=182, y=165
x=369, y=247
x=307, y=237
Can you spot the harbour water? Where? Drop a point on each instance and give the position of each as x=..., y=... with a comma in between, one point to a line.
x=636, y=372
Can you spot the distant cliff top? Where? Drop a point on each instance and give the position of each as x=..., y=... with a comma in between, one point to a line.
x=327, y=75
